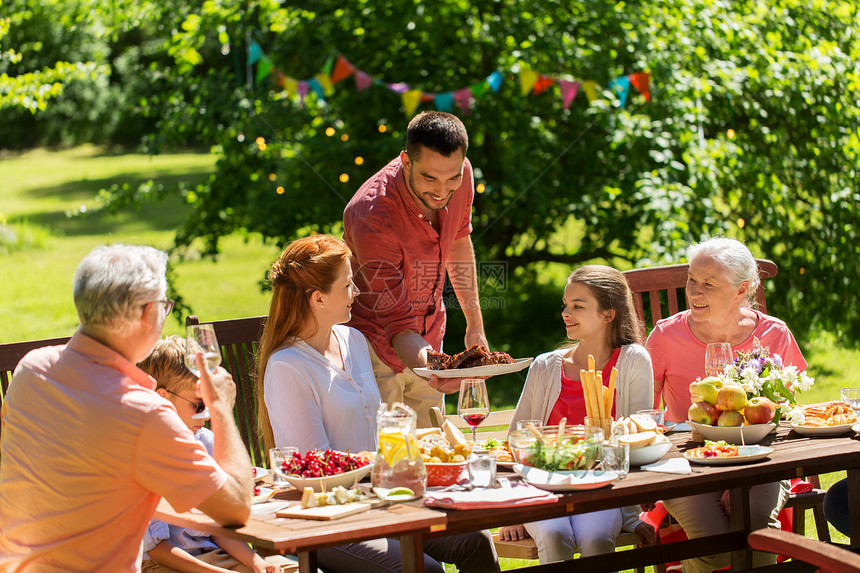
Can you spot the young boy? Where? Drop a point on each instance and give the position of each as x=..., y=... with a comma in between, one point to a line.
x=170, y=548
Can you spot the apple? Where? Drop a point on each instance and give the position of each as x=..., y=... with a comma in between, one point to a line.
x=707, y=393
x=730, y=418
x=731, y=397
x=715, y=381
x=759, y=410
x=702, y=413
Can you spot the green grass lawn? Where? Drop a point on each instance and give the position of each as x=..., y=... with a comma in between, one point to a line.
x=37, y=188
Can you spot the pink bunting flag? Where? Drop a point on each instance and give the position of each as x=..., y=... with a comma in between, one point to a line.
x=399, y=88
x=569, y=90
x=342, y=70
x=302, y=88
x=411, y=99
x=463, y=98
x=362, y=80
x=641, y=81
x=527, y=81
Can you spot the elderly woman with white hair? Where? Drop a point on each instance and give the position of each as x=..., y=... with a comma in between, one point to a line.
x=721, y=286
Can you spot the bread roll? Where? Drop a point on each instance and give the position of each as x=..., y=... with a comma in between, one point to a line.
x=644, y=423
x=638, y=440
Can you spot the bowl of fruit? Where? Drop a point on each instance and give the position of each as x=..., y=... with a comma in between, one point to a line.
x=325, y=470
x=444, y=474
x=554, y=448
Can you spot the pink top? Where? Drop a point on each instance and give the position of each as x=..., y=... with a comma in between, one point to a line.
x=88, y=449
x=571, y=400
x=400, y=260
x=678, y=357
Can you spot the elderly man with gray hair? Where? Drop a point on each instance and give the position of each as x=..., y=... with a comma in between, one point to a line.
x=88, y=447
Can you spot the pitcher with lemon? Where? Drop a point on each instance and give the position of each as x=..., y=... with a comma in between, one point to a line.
x=398, y=457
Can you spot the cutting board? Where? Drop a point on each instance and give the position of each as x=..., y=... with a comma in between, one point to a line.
x=325, y=512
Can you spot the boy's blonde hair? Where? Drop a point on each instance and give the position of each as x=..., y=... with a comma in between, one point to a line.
x=167, y=365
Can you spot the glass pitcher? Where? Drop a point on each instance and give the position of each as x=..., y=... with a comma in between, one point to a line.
x=398, y=458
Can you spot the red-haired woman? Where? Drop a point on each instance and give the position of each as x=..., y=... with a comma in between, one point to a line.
x=316, y=390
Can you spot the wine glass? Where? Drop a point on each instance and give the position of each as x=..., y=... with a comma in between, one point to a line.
x=473, y=405
x=718, y=355
x=201, y=338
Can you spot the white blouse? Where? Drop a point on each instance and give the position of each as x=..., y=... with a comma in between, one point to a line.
x=314, y=404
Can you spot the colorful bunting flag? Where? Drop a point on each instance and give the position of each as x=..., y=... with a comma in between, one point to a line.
x=342, y=70
x=542, y=84
x=302, y=89
x=621, y=87
x=463, y=98
x=640, y=81
x=264, y=68
x=445, y=101
x=527, y=81
x=255, y=52
x=325, y=82
x=478, y=90
x=315, y=86
x=398, y=88
x=568, y=92
x=362, y=80
x=494, y=80
x=411, y=100
x=290, y=85
x=590, y=89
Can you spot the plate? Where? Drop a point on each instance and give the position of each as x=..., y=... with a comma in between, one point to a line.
x=259, y=473
x=746, y=454
x=492, y=370
x=824, y=430
x=649, y=454
x=347, y=480
x=565, y=481
x=264, y=495
x=751, y=434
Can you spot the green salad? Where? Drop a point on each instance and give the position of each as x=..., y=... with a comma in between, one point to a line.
x=572, y=454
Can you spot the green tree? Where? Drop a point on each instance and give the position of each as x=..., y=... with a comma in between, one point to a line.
x=628, y=186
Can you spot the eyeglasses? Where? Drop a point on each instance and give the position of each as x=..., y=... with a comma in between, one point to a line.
x=166, y=303
x=199, y=407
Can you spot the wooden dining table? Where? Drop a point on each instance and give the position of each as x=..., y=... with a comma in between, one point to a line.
x=793, y=455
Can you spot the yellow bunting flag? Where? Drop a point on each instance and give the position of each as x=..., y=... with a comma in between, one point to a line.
x=290, y=85
x=325, y=82
x=590, y=89
x=411, y=99
x=527, y=81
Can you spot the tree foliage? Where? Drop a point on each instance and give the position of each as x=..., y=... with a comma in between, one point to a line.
x=630, y=186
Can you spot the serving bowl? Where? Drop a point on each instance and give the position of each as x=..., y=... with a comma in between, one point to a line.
x=551, y=452
x=326, y=483
x=752, y=434
x=444, y=474
x=649, y=454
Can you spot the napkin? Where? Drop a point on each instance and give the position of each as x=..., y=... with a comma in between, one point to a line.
x=480, y=497
x=800, y=486
x=670, y=466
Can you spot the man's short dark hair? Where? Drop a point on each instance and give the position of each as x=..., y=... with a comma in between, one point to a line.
x=436, y=130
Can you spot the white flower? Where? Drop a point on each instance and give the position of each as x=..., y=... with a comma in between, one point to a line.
x=795, y=415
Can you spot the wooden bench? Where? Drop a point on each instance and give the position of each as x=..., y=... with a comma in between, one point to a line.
x=497, y=424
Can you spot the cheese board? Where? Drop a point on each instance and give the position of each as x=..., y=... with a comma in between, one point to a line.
x=326, y=512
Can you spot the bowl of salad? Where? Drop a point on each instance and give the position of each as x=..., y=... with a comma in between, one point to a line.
x=548, y=449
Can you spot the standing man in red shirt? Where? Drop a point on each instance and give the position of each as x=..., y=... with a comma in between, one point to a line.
x=407, y=226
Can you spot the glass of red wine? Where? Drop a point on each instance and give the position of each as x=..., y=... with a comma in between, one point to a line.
x=473, y=405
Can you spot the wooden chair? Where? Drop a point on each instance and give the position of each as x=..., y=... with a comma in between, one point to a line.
x=825, y=557
x=664, y=287
x=13, y=352
x=238, y=339
x=497, y=424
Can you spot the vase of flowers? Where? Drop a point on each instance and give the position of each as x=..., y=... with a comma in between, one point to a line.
x=761, y=373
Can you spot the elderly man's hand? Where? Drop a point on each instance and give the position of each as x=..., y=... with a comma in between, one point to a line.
x=449, y=385
x=513, y=533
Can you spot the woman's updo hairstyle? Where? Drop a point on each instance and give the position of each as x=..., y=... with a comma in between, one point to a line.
x=736, y=260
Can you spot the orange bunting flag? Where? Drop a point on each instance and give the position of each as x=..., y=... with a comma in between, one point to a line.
x=342, y=70
x=640, y=81
x=527, y=81
x=411, y=99
x=590, y=89
x=542, y=84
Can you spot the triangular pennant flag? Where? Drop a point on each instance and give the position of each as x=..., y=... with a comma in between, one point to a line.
x=463, y=98
x=410, y=101
x=568, y=91
x=342, y=70
x=444, y=101
x=326, y=69
x=264, y=68
x=640, y=81
x=495, y=81
x=290, y=85
x=621, y=87
x=302, y=88
x=399, y=88
x=315, y=85
x=425, y=97
x=279, y=78
x=478, y=90
x=590, y=89
x=542, y=84
x=325, y=82
x=362, y=81
x=527, y=81
x=255, y=52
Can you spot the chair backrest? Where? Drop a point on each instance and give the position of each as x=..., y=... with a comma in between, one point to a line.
x=13, y=352
x=665, y=289
x=238, y=339
x=499, y=419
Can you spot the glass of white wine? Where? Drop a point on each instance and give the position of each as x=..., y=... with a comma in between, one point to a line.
x=200, y=338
